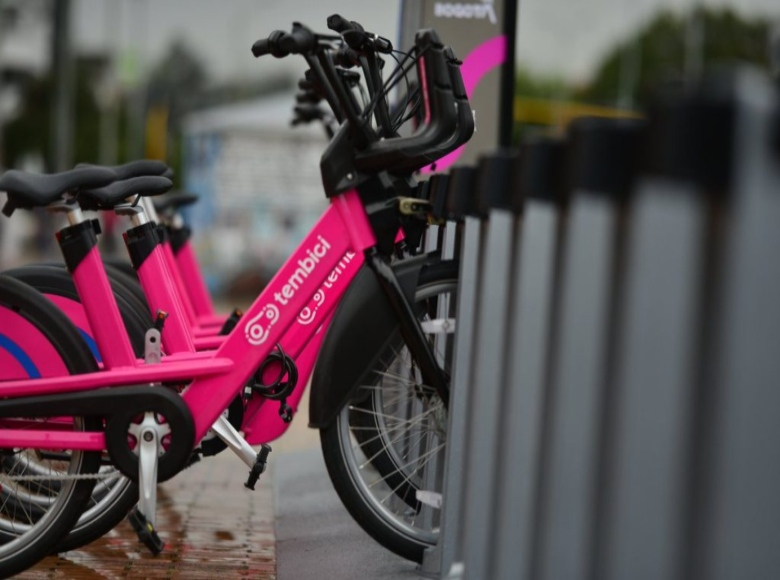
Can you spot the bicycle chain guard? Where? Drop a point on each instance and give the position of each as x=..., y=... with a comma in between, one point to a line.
x=168, y=407
x=120, y=406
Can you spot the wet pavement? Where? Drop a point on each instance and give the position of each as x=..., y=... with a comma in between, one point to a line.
x=316, y=538
x=212, y=526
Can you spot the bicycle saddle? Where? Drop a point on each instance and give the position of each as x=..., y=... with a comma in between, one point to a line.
x=28, y=190
x=137, y=168
x=112, y=195
x=174, y=200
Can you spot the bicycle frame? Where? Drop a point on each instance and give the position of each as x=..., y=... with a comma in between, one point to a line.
x=192, y=279
x=217, y=376
x=261, y=423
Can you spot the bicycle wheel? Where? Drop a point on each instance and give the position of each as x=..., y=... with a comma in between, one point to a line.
x=37, y=340
x=114, y=495
x=387, y=445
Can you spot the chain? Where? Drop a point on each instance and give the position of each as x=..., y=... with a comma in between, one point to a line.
x=61, y=477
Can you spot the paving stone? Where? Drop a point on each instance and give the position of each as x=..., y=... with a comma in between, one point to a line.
x=212, y=526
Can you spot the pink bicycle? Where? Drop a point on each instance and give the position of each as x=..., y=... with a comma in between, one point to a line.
x=65, y=423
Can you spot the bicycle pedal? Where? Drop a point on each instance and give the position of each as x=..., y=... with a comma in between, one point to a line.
x=145, y=531
x=259, y=467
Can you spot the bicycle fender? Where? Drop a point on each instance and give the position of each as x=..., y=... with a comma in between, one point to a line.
x=362, y=325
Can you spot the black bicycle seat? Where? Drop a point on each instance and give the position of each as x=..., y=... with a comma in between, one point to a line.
x=28, y=190
x=174, y=200
x=112, y=195
x=137, y=168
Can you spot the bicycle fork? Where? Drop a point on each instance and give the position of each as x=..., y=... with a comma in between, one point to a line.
x=411, y=330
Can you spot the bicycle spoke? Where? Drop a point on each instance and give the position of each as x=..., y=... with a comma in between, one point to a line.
x=385, y=446
x=428, y=455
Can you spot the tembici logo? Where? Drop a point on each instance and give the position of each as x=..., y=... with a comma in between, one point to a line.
x=259, y=327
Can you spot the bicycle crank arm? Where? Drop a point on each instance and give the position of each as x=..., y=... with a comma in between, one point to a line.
x=144, y=517
x=233, y=439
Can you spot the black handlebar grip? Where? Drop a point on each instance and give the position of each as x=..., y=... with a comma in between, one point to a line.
x=354, y=34
x=301, y=40
x=339, y=24
x=269, y=45
x=261, y=48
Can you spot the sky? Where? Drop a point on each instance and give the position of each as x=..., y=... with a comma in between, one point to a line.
x=563, y=37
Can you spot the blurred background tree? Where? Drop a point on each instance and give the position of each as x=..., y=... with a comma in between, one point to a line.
x=29, y=134
x=671, y=46
x=661, y=51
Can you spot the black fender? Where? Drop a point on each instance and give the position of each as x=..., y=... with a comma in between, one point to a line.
x=363, y=324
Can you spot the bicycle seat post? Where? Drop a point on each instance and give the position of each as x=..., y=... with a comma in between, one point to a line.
x=70, y=208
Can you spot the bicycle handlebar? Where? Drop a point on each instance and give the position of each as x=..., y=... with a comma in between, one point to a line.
x=340, y=24
x=268, y=45
x=464, y=125
x=280, y=44
x=417, y=150
x=447, y=126
x=300, y=41
x=356, y=37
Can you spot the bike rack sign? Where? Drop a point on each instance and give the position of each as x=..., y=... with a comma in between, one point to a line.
x=482, y=33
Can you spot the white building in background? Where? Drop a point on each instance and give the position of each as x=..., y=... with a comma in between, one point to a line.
x=25, y=47
x=25, y=39
x=259, y=184
x=26, y=35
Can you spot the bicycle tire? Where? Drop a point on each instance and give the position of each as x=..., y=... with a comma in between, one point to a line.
x=336, y=442
x=119, y=272
x=122, y=265
x=26, y=544
x=109, y=505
